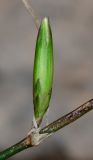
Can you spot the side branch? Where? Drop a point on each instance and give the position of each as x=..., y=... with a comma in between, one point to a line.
x=68, y=118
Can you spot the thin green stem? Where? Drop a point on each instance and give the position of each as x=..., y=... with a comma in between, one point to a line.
x=23, y=144
x=50, y=129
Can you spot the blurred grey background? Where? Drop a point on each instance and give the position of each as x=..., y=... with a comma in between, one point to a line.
x=72, y=27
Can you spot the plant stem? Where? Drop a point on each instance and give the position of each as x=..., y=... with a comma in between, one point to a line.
x=68, y=118
x=50, y=129
x=23, y=144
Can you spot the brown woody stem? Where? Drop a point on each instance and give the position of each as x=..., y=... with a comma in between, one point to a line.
x=68, y=118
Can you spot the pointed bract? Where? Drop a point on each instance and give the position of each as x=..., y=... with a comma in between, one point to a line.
x=43, y=70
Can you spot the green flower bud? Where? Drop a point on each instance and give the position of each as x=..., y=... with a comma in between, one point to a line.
x=43, y=71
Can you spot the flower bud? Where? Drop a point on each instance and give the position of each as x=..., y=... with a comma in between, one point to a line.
x=43, y=71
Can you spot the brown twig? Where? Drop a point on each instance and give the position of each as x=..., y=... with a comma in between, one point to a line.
x=68, y=118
